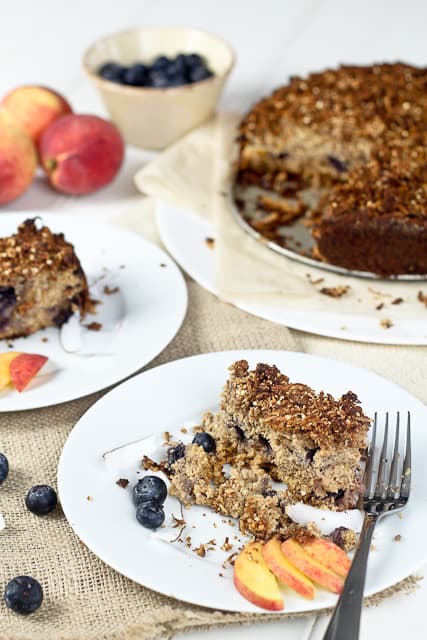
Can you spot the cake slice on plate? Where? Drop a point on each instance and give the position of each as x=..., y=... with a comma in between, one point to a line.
x=41, y=281
x=271, y=430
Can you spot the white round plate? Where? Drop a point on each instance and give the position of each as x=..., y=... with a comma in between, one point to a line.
x=174, y=395
x=184, y=235
x=138, y=319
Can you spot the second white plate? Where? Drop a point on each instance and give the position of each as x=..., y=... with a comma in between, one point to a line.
x=143, y=302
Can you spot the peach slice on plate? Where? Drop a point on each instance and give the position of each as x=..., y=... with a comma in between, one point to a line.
x=254, y=580
x=24, y=367
x=312, y=568
x=5, y=360
x=285, y=571
x=328, y=554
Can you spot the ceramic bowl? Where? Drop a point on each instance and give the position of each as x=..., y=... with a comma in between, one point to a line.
x=154, y=118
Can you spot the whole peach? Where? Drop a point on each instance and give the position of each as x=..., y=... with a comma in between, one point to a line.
x=18, y=162
x=34, y=108
x=81, y=153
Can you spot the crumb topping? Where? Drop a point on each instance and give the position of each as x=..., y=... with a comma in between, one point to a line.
x=266, y=395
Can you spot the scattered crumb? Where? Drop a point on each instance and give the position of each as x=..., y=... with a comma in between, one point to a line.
x=214, y=524
x=379, y=306
x=400, y=515
x=94, y=326
x=188, y=542
x=335, y=292
x=166, y=436
x=422, y=297
x=373, y=547
x=397, y=301
x=10, y=345
x=183, y=430
x=122, y=266
x=312, y=280
x=179, y=522
x=232, y=558
x=122, y=482
x=379, y=294
x=343, y=327
x=227, y=546
x=221, y=575
x=398, y=537
x=45, y=339
x=162, y=264
x=210, y=243
x=200, y=550
x=150, y=465
x=109, y=291
x=89, y=498
x=386, y=323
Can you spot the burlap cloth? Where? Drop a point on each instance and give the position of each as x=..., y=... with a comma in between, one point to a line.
x=84, y=599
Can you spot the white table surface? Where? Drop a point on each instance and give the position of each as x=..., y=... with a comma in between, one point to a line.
x=42, y=43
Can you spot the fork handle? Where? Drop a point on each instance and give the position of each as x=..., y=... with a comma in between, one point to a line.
x=345, y=621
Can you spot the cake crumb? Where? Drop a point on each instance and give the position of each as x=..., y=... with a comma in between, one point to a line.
x=109, y=291
x=184, y=430
x=422, y=297
x=94, y=326
x=397, y=301
x=89, y=498
x=122, y=482
x=166, y=437
x=314, y=280
x=227, y=546
x=398, y=537
x=335, y=292
x=200, y=550
x=210, y=243
x=386, y=323
x=45, y=339
x=379, y=306
x=162, y=264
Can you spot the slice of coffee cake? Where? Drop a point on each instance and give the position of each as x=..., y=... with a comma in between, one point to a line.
x=41, y=281
x=271, y=430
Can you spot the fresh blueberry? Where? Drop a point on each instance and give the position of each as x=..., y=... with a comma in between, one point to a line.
x=176, y=67
x=205, y=440
x=150, y=489
x=23, y=594
x=196, y=74
x=158, y=79
x=160, y=64
x=177, y=80
x=175, y=453
x=4, y=467
x=112, y=71
x=135, y=75
x=150, y=515
x=41, y=499
x=193, y=60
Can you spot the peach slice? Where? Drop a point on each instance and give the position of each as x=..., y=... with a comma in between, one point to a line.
x=285, y=571
x=328, y=554
x=24, y=367
x=295, y=553
x=5, y=360
x=254, y=580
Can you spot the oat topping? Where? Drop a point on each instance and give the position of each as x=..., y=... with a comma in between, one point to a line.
x=335, y=292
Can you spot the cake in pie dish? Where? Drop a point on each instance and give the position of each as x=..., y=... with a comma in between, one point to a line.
x=41, y=281
x=346, y=149
x=272, y=443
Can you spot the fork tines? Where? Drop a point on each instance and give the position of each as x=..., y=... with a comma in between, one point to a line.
x=390, y=480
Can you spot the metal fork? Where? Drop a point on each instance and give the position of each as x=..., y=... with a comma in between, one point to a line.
x=386, y=491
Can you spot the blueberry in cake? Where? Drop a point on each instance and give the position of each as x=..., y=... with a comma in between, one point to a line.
x=41, y=281
x=270, y=430
x=347, y=148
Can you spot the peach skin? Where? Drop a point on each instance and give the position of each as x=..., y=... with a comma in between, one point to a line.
x=254, y=580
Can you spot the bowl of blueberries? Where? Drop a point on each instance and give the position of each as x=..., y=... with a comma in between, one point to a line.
x=159, y=83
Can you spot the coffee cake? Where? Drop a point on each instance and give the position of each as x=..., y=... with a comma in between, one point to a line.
x=269, y=430
x=347, y=149
x=41, y=281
